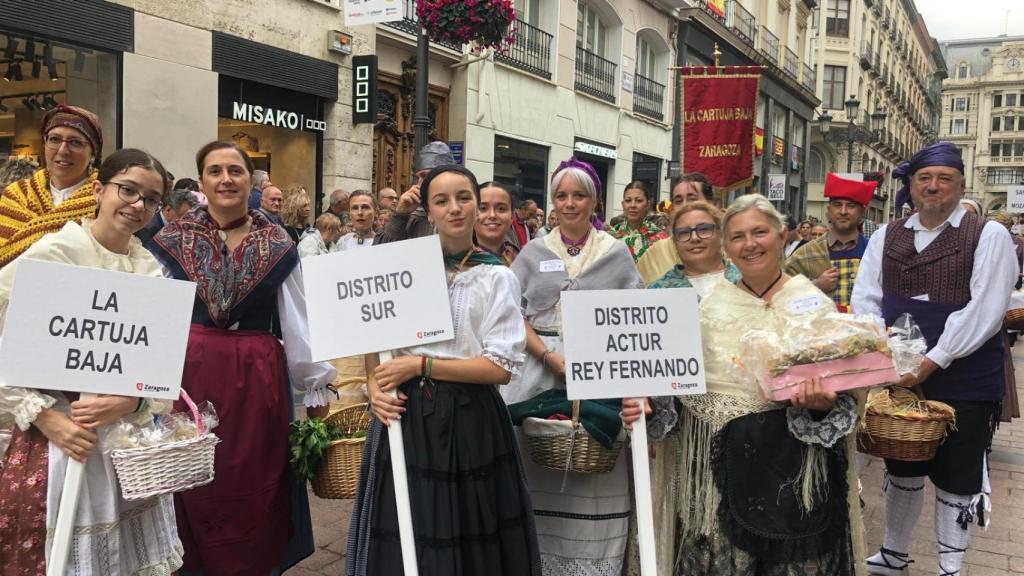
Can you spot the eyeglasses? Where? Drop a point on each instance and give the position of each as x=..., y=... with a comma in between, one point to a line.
x=53, y=142
x=130, y=195
x=685, y=234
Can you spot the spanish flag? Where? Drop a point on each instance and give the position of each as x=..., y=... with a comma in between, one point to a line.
x=717, y=6
x=758, y=141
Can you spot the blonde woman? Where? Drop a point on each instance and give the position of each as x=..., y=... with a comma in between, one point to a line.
x=295, y=211
x=764, y=487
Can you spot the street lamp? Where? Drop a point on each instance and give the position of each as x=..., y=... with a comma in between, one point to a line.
x=825, y=122
x=852, y=105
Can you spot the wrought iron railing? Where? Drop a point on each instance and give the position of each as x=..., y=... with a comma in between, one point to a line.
x=595, y=75
x=742, y=21
x=809, y=78
x=792, y=64
x=649, y=98
x=770, y=45
x=866, y=55
x=530, y=50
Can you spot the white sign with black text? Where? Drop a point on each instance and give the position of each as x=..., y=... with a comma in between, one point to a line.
x=384, y=297
x=614, y=349
x=1015, y=199
x=89, y=330
x=359, y=12
x=777, y=187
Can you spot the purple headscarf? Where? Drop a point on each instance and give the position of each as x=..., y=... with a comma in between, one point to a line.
x=938, y=154
x=585, y=167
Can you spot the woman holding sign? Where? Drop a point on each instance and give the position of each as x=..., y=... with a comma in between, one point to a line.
x=470, y=509
x=111, y=535
x=248, y=339
x=792, y=506
x=582, y=528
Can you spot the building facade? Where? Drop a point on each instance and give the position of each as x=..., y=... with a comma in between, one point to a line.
x=983, y=113
x=586, y=78
x=774, y=34
x=168, y=77
x=878, y=53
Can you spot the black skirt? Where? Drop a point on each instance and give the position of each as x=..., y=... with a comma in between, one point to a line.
x=471, y=511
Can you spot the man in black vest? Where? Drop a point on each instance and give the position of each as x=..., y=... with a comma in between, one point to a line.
x=953, y=272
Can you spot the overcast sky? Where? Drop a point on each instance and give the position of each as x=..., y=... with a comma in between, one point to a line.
x=957, y=19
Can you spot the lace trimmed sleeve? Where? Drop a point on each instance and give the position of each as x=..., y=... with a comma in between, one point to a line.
x=503, y=332
x=835, y=426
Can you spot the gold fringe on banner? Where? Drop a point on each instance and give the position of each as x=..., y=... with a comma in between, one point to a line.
x=745, y=72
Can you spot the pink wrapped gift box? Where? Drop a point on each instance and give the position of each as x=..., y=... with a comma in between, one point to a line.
x=862, y=371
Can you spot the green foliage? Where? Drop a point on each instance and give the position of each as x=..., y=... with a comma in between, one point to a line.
x=310, y=440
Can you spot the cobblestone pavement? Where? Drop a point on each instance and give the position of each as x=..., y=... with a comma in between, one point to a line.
x=996, y=552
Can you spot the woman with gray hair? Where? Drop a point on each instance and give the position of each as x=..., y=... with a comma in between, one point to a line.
x=321, y=238
x=785, y=466
x=582, y=519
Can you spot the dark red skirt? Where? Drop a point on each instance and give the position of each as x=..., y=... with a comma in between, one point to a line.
x=23, y=480
x=239, y=523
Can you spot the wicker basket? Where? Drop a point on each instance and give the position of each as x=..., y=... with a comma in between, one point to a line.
x=167, y=468
x=1014, y=319
x=338, y=477
x=889, y=433
x=566, y=446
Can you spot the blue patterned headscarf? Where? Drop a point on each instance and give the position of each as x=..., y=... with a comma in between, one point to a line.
x=938, y=154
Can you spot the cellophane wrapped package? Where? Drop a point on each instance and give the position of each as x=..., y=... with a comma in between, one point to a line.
x=165, y=428
x=846, y=351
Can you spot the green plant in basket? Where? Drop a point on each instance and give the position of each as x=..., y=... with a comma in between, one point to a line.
x=310, y=440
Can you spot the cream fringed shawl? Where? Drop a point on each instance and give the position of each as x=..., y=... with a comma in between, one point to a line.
x=726, y=313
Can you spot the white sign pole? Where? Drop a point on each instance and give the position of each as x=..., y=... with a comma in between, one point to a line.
x=401, y=481
x=644, y=506
x=57, y=564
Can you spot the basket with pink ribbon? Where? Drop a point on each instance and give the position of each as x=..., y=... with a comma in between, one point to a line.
x=174, y=453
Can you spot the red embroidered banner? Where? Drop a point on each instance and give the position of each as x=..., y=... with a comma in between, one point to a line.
x=717, y=135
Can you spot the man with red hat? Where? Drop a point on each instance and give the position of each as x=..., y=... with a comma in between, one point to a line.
x=832, y=260
x=60, y=192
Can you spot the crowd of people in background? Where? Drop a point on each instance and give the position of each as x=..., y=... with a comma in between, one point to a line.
x=743, y=478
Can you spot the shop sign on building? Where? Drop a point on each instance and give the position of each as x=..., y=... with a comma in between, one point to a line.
x=364, y=89
x=458, y=151
x=596, y=150
x=269, y=105
x=270, y=117
x=359, y=12
x=777, y=187
x=1015, y=199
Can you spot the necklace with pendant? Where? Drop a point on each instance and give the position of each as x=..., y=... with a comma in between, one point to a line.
x=573, y=247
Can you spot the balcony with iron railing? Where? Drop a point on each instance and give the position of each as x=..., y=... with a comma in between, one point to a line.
x=792, y=64
x=866, y=55
x=530, y=50
x=741, y=21
x=809, y=78
x=769, y=45
x=595, y=75
x=1004, y=176
x=649, y=98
